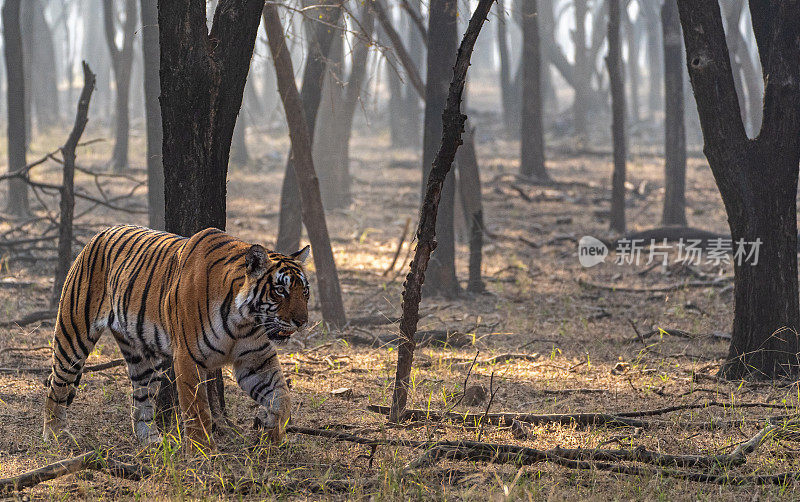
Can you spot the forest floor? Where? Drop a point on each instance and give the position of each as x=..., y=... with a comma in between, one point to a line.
x=585, y=354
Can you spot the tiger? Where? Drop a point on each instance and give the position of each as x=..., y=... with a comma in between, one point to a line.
x=195, y=304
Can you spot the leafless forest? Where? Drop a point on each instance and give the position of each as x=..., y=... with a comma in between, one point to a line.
x=554, y=242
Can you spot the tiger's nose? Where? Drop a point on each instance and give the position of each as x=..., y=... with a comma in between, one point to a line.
x=300, y=320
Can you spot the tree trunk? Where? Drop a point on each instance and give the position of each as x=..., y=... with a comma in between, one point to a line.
x=531, y=131
x=203, y=75
x=327, y=150
x=15, y=96
x=469, y=186
x=506, y=90
x=320, y=38
x=313, y=214
x=336, y=190
x=441, y=55
x=121, y=61
x=632, y=32
x=757, y=178
x=452, y=127
x=416, y=48
x=654, y=62
x=40, y=58
x=674, y=133
x=582, y=71
x=152, y=89
x=67, y=203
x=617, y=83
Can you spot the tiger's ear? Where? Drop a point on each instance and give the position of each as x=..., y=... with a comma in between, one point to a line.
x=256, y=260
x=301, y=255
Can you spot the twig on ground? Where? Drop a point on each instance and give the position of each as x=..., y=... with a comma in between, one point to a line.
x=91, y=460
x=507, y=418
x=39, y=315
x=657, y=289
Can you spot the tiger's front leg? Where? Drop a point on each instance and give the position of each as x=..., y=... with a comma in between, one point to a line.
x=259, y=374
x=190, y=379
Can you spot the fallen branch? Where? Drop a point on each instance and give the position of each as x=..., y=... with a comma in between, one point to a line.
x=507, y=418
x=657, y=289
x=91, y=460
x=575, y=458
x=682, y=407
x=39, y=315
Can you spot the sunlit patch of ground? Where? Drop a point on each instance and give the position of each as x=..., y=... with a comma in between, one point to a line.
x=590, y=358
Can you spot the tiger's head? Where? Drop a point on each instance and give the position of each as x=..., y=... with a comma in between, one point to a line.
x=276, y=290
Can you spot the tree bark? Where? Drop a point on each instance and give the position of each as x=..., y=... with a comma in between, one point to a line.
x=757, y=178
x=441, y=54
x=632, y=33
x=674, y=132
x=332, y=156
x=203, y=75
x=313, y=213
x=617, y=83
x=532, y=131
x=15, y=96
x=152, y=89
x=582, y=71
x=40, y=66
x=121, y=61
x=469, y=184
x=452, y=127
x=506, y=89
x=320, y=38
x=67, y=203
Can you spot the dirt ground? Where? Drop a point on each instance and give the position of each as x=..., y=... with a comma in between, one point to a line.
x=539, y=301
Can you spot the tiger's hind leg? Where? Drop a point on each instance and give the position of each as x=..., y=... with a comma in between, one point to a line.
x=146, y=371
x=70, y=351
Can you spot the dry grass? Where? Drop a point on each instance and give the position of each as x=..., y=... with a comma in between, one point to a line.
x=534, y=304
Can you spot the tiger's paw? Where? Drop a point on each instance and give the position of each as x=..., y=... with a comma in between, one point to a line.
x=147, y=433
x=273, y=424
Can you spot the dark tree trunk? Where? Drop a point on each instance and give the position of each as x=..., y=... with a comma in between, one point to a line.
x=320, y=39
x=441, y=55
x=617, y=83
x=313, y=213
x=203, y=75
x=757, y=178
x=582, y=71
x=67, y=203
x=152, y=89
x=15, y=96
x=121, y=61
x=531, y=131
x=453, y=126
x=674, y=133
x=506, y=90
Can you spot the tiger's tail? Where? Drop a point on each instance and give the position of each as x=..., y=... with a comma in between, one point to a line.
x=75, y=337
